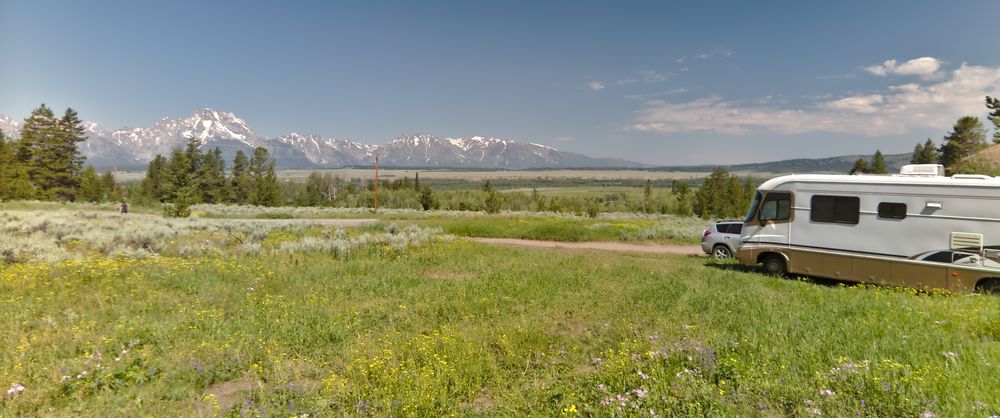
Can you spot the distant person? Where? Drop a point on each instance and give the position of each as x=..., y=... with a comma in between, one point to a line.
x=123, y=208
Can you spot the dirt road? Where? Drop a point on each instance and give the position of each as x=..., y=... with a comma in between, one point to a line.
x=607, y=246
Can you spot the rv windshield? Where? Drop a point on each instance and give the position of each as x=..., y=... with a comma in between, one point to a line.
x=752, y=212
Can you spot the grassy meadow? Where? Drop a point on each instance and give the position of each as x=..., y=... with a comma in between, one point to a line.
x=221, y=317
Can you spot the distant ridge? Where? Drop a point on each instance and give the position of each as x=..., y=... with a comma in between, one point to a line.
x=840, y=164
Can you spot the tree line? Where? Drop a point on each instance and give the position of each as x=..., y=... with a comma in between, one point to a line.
x=44, y=162
x=959, y=149
x=190, y=176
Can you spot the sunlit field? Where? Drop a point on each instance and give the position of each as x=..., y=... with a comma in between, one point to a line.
x=105, y=315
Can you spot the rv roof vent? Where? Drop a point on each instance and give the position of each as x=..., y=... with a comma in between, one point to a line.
x=967, y=241
x=971, y=176
x=930, y=170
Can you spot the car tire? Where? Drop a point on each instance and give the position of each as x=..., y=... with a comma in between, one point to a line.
x=775, y=265
x=721, y=251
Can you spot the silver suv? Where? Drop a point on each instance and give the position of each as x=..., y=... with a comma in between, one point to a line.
x=722, y=238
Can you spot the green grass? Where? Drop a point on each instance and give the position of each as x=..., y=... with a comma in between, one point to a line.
x=679, y=230
x=467, y=329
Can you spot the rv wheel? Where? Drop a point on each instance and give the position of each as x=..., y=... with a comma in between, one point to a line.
x=721, y=251
x=774, y=265
x=989, y=287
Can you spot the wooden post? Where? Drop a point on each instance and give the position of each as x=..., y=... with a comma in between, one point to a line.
x=376, y=183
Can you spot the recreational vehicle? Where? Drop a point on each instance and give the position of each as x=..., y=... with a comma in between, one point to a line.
x=917, y=228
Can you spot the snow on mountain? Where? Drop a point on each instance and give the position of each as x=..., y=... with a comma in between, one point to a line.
x=131, y=148
x=329, y=152
x=206, y=125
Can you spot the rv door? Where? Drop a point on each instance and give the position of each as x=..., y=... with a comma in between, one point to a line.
x=774, y=218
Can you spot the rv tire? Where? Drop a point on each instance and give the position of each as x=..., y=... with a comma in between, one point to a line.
x=989, y=287
x=775, y=265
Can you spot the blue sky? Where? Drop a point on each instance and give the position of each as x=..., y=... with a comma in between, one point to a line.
x=656, y=82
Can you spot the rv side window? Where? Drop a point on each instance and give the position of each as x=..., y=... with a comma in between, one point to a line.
x=777, y=207
x=835, y=209
x=889, y=210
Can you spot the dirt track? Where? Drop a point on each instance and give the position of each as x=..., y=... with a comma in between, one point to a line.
x=607, y=246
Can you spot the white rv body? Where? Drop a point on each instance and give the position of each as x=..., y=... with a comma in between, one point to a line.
x=847, y=237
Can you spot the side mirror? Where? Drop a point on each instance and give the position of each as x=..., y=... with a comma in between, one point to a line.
x=763, y=221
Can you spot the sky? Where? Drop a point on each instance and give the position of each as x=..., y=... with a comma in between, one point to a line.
x=671, y=83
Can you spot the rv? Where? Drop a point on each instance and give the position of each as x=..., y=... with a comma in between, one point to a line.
x=916, y=229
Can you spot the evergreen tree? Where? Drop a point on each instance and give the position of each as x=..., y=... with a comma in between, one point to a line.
x=925, y=154
x=878, y=164
x=416, y=182
x=151, y=188
x=647, y=190
x=426, y=198
x=967, y=137
x=176, y=180
x=112, y=193
x=492, y=202
x=860, y=166
x=314, y=192
x=240, y=187
x=39, y=133
x=718, y=195
x=211, y=177
x=263, y=180
x=683, y=204
x=91, y=189
x=993, y=104
x=14, y=180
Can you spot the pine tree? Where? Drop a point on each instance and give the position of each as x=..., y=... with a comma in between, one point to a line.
x=647, y=190
x=967, y=137
x=240, y=184
x=878, y=164
x=91, y=189
x=176, y=180
x=314, y=192
x=263, y=180
x=112, y=193
x=151, y=187
x=211, y=177
x=416, y=182
x=925, y=153
x=993, y=104
x=426, y=198
x=14, y=180
x=39, y=132
x=860, y=166
x=492, y=202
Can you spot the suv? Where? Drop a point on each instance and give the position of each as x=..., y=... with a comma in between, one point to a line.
x=722, y=238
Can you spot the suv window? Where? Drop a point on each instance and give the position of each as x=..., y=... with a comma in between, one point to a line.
x=729, y=228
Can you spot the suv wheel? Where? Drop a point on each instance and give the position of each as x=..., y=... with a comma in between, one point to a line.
x=721, y=251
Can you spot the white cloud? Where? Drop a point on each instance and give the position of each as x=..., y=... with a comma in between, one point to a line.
x=899, y=109
x=596, y=85
x=923, y=67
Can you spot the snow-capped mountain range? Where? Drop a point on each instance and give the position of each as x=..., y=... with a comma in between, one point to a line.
x=133, y=148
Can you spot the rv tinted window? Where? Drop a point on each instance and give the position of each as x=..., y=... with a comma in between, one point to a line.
x=892, y=210
x=723, y=228
x=835, y=209
x=777, y=206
